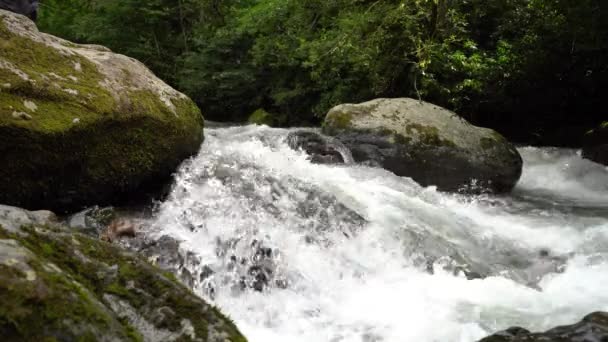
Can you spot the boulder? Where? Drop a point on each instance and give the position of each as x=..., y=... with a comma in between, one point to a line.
x=28, y=8
x=12, y=218
x=57, y=285
x=80, y=125
x=595, y=144
x=261, y=117
x=428, y=143
x=321, y=149
x=594, y=327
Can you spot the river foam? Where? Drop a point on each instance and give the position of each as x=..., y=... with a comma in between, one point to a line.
x=412, y=264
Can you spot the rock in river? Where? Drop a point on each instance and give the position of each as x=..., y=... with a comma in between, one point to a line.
x=430, y=144
x=593, y=328
x=596, y=144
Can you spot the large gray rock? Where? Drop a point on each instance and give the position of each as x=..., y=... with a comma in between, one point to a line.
x=81, y=125
x=596, y=144
x=12, y=218
x=427, y=143
x=57, y=285
x=593, y=328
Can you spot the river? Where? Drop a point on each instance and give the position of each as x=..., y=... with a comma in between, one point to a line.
x=300, y=252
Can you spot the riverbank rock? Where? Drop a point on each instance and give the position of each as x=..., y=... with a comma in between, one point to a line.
x=12, y=218
x=430, y=144
x=80, y=125
x=594, y=327
x=595, y=145
x=63, y=286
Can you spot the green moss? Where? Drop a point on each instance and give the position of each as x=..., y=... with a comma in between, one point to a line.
x=487, y=143
x=337, y=120
x=3, y=233
x=400, y=139
x=93, y=147
x=261, y=117
x=604, y=125
x=138, y=283
x=48, y=307
x=428, y=135
x=51, y=75
x=119, y=154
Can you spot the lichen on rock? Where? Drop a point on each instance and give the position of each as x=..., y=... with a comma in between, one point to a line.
x=91, y=125
x=427, y=143
x=58, y=285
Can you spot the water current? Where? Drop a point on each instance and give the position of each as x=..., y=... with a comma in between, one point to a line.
x=300, y=252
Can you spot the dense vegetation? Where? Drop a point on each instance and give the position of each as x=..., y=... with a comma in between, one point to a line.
x=533, y=69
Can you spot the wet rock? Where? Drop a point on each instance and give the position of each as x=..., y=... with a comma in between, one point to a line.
x=595, y=144
x=93, y=220
x=104, y=128
x=253, y=267
x=28, y=8
x=12, y=218
x=165, y=253
x=321, y=149
x=59, y=285
x=593, y=328
x=430, y=144
x=262, y=117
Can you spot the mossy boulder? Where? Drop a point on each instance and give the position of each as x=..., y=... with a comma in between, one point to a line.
x=593, y=327
x=595, y=145
x=261, y=117
x=428, y=143
x=57, y=285
x=81, y=125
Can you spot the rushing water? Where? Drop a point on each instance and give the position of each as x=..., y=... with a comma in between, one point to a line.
x=294, y=251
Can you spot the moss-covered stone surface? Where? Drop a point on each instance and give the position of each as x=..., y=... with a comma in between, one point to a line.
x=81, y=125
x=262, y=117
x=427, y=143
x=56, y=285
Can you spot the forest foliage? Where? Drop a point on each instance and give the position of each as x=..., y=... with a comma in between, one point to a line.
x=526, y=67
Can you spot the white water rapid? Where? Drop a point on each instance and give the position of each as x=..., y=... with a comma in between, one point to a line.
x=299, y=252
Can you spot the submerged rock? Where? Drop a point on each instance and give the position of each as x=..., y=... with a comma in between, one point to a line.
x=321, y=149
x=596, y=144
x=430, y=144
x=593, y=328
x=63, y=286
x=91, y=126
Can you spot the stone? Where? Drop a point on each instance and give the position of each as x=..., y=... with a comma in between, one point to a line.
x=261, y=117
x=58, y=285
x=593, y=328
x=595, y=144
x=427, y=143
x=321, y=149
x=13, y=218
x=103, y=125
x=92, y=221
